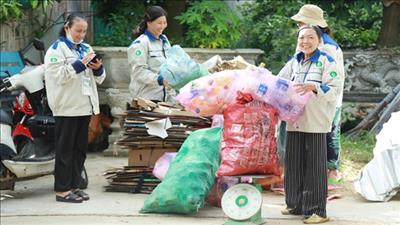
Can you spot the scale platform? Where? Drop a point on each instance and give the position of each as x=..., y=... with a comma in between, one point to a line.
x=242, y=202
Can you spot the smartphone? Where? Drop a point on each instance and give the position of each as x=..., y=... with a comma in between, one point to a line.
x=96, y=57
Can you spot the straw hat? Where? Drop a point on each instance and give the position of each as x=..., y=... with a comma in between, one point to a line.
x=310, y=14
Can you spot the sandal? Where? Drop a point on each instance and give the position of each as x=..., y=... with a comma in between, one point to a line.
x=333, y=181
x=70, y=197
x=334, y=177
x=315, y=219
x=288, y=211
x=82, y=194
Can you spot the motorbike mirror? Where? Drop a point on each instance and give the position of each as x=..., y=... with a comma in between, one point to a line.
x=38, y=44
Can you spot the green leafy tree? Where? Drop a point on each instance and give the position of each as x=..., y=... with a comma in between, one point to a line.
x=210, y=24
x=118, y=31
x=14, y=9
x=355, y=24
x=115, y=20
x=269, y=27
x=10, y=9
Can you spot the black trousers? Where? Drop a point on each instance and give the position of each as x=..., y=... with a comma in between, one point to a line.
x=71, y=142
x=306, y=173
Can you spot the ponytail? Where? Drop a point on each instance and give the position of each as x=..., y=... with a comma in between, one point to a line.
x=152, y=13
x=140, y=28
x=70, y=21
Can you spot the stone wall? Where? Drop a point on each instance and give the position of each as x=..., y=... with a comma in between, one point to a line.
x=370, y=75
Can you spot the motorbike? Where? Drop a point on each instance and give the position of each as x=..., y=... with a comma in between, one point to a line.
x=27, y=145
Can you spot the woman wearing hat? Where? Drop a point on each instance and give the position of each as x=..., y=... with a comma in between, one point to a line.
x=305, y=155
x=313, y=15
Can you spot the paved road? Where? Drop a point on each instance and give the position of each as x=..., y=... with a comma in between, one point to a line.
x=34, y=203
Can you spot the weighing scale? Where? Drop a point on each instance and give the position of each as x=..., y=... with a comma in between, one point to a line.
x=242, y=204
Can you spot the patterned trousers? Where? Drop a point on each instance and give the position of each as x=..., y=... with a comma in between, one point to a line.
x=305, y=173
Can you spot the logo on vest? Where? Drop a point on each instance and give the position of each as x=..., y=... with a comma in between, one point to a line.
x=138, y=52
x=333, y=74
x=53, y=59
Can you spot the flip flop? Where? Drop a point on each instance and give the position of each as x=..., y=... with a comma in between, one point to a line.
x=278, y=190
x=82, y=194
x=334, y=187
x=70, y=197
x=334, y=196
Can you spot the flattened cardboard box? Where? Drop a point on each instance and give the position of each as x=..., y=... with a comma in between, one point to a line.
x=146, y=157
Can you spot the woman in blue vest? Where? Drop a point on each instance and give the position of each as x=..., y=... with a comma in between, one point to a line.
x=305, y=177
x=71, y=74
x=313, y=15
x=146, y=54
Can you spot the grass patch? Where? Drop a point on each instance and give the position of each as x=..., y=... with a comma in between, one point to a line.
x=358, y=149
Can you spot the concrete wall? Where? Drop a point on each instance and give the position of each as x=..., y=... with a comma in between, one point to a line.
x=116, y=62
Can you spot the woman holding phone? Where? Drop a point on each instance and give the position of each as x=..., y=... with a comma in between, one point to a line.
x=71, y=74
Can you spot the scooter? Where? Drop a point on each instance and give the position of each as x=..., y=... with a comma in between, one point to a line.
x=27, y=146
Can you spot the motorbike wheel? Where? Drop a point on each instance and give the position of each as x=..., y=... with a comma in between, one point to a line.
x=84, y=179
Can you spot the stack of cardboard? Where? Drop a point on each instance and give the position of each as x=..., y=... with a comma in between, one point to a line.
x=133, y=179
x=145, y=149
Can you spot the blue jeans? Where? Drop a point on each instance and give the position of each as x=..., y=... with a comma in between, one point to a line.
x=333, y=141
x=281, y=141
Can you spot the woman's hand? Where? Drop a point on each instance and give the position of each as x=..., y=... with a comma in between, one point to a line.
x=95, y=65
x=86, y=59
x=304, y=88
x=166, y=83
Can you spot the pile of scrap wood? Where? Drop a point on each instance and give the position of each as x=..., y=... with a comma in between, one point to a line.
x=141, y=112
x=132, y=179
x=374, y=121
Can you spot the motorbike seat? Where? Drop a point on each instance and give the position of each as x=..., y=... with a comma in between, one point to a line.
x=36, y=159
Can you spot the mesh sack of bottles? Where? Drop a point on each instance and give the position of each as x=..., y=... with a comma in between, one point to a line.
x=208, y=95
x=190, y=176
x=248, y=145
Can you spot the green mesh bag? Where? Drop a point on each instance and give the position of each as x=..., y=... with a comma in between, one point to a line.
x=190, y=176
